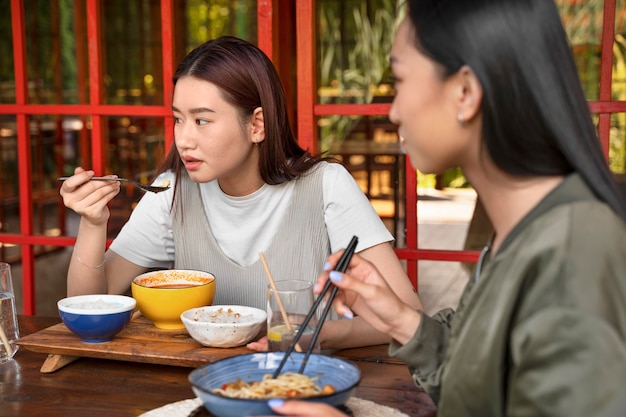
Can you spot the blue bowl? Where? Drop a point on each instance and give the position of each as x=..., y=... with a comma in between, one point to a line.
x=96, y=318
x=341, y=374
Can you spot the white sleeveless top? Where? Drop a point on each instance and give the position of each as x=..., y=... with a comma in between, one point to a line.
x=298, y=250
x=287, y=222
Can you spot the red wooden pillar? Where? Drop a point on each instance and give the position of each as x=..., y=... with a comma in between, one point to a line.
x=266, y=25
x=95, y=83
x=23, y=155
x=167, y=40
x=410, y=222
x=305, y=52
x=606, y=73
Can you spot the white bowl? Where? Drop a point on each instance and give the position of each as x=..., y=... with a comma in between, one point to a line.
x=96, y=318
x=223, y=325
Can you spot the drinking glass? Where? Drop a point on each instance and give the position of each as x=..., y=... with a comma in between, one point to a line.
x=9, y=332
x=297, y=299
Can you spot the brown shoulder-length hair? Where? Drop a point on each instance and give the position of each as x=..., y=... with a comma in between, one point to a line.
x=247, y=79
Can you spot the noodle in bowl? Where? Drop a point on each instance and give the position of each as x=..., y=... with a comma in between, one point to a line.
x=210, y=382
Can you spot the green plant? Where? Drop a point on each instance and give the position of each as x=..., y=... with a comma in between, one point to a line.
x=583, y=25
x=351, y=75
x=617, y=142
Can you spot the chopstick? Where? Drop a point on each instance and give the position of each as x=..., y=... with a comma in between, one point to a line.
x=341, y=266
x=281, y=307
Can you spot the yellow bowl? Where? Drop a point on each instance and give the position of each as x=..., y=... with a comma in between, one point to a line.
x=162, y=296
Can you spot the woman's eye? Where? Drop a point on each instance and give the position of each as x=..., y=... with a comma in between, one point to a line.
x=201, y=122
x=178, y=120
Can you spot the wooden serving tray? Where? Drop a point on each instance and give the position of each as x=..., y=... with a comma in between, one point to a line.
x=139, y=341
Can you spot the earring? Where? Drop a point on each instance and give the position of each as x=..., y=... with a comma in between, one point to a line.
x=461, y=119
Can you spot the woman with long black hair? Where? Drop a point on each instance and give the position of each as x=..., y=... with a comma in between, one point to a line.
x=490, y=86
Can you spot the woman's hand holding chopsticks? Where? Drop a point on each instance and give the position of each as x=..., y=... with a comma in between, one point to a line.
x=365, y=292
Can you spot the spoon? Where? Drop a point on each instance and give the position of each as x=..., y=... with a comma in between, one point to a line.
x=152, y=188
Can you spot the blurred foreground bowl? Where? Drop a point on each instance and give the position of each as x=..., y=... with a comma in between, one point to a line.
x=162, y=296
x=96, y=318
x=224, y=325
x=341, y=374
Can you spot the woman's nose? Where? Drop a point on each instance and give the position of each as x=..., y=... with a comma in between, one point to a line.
x=183, y=136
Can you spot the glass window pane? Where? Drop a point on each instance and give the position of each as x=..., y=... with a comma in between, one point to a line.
x=335, y=129
x=620, y=16
x=7, y=76
x=582, y=20
x=132, y=52
x=54, y=153
x=76, y=143
x=135, y=146
x=210, y=19
x=9, y=186
x=617, y=143
x=354, y=40
x=370, y=150
x=135, y=149
x=56, y=52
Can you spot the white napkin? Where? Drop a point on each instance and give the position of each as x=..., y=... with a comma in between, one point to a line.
x=359, y=407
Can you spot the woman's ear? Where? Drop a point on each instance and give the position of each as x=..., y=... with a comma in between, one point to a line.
x=258, y=126
x=470, y=94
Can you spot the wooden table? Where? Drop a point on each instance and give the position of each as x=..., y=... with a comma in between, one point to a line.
x=102, y=387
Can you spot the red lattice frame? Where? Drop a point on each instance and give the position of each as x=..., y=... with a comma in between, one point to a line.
x=306, y=112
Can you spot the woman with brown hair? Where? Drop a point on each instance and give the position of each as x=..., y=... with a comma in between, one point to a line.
x=242, y=185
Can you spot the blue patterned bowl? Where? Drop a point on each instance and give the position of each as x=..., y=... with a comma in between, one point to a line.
x=96, y=318
x=341, y=374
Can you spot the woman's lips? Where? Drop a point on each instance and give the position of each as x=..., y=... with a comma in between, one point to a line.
x=192, y=164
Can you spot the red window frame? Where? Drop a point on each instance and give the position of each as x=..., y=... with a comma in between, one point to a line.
x=22, y=110
x=308, y=110
x=270, y=24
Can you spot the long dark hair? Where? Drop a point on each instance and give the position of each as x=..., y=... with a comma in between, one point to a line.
x=536, y=120
x=247, y=79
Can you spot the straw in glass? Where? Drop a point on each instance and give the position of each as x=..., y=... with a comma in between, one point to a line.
x=283, y=312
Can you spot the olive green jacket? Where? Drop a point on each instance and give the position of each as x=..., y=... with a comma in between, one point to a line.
x=541, y=327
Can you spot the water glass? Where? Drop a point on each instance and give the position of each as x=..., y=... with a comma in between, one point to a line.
x=297, y=299
x=9, y=332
